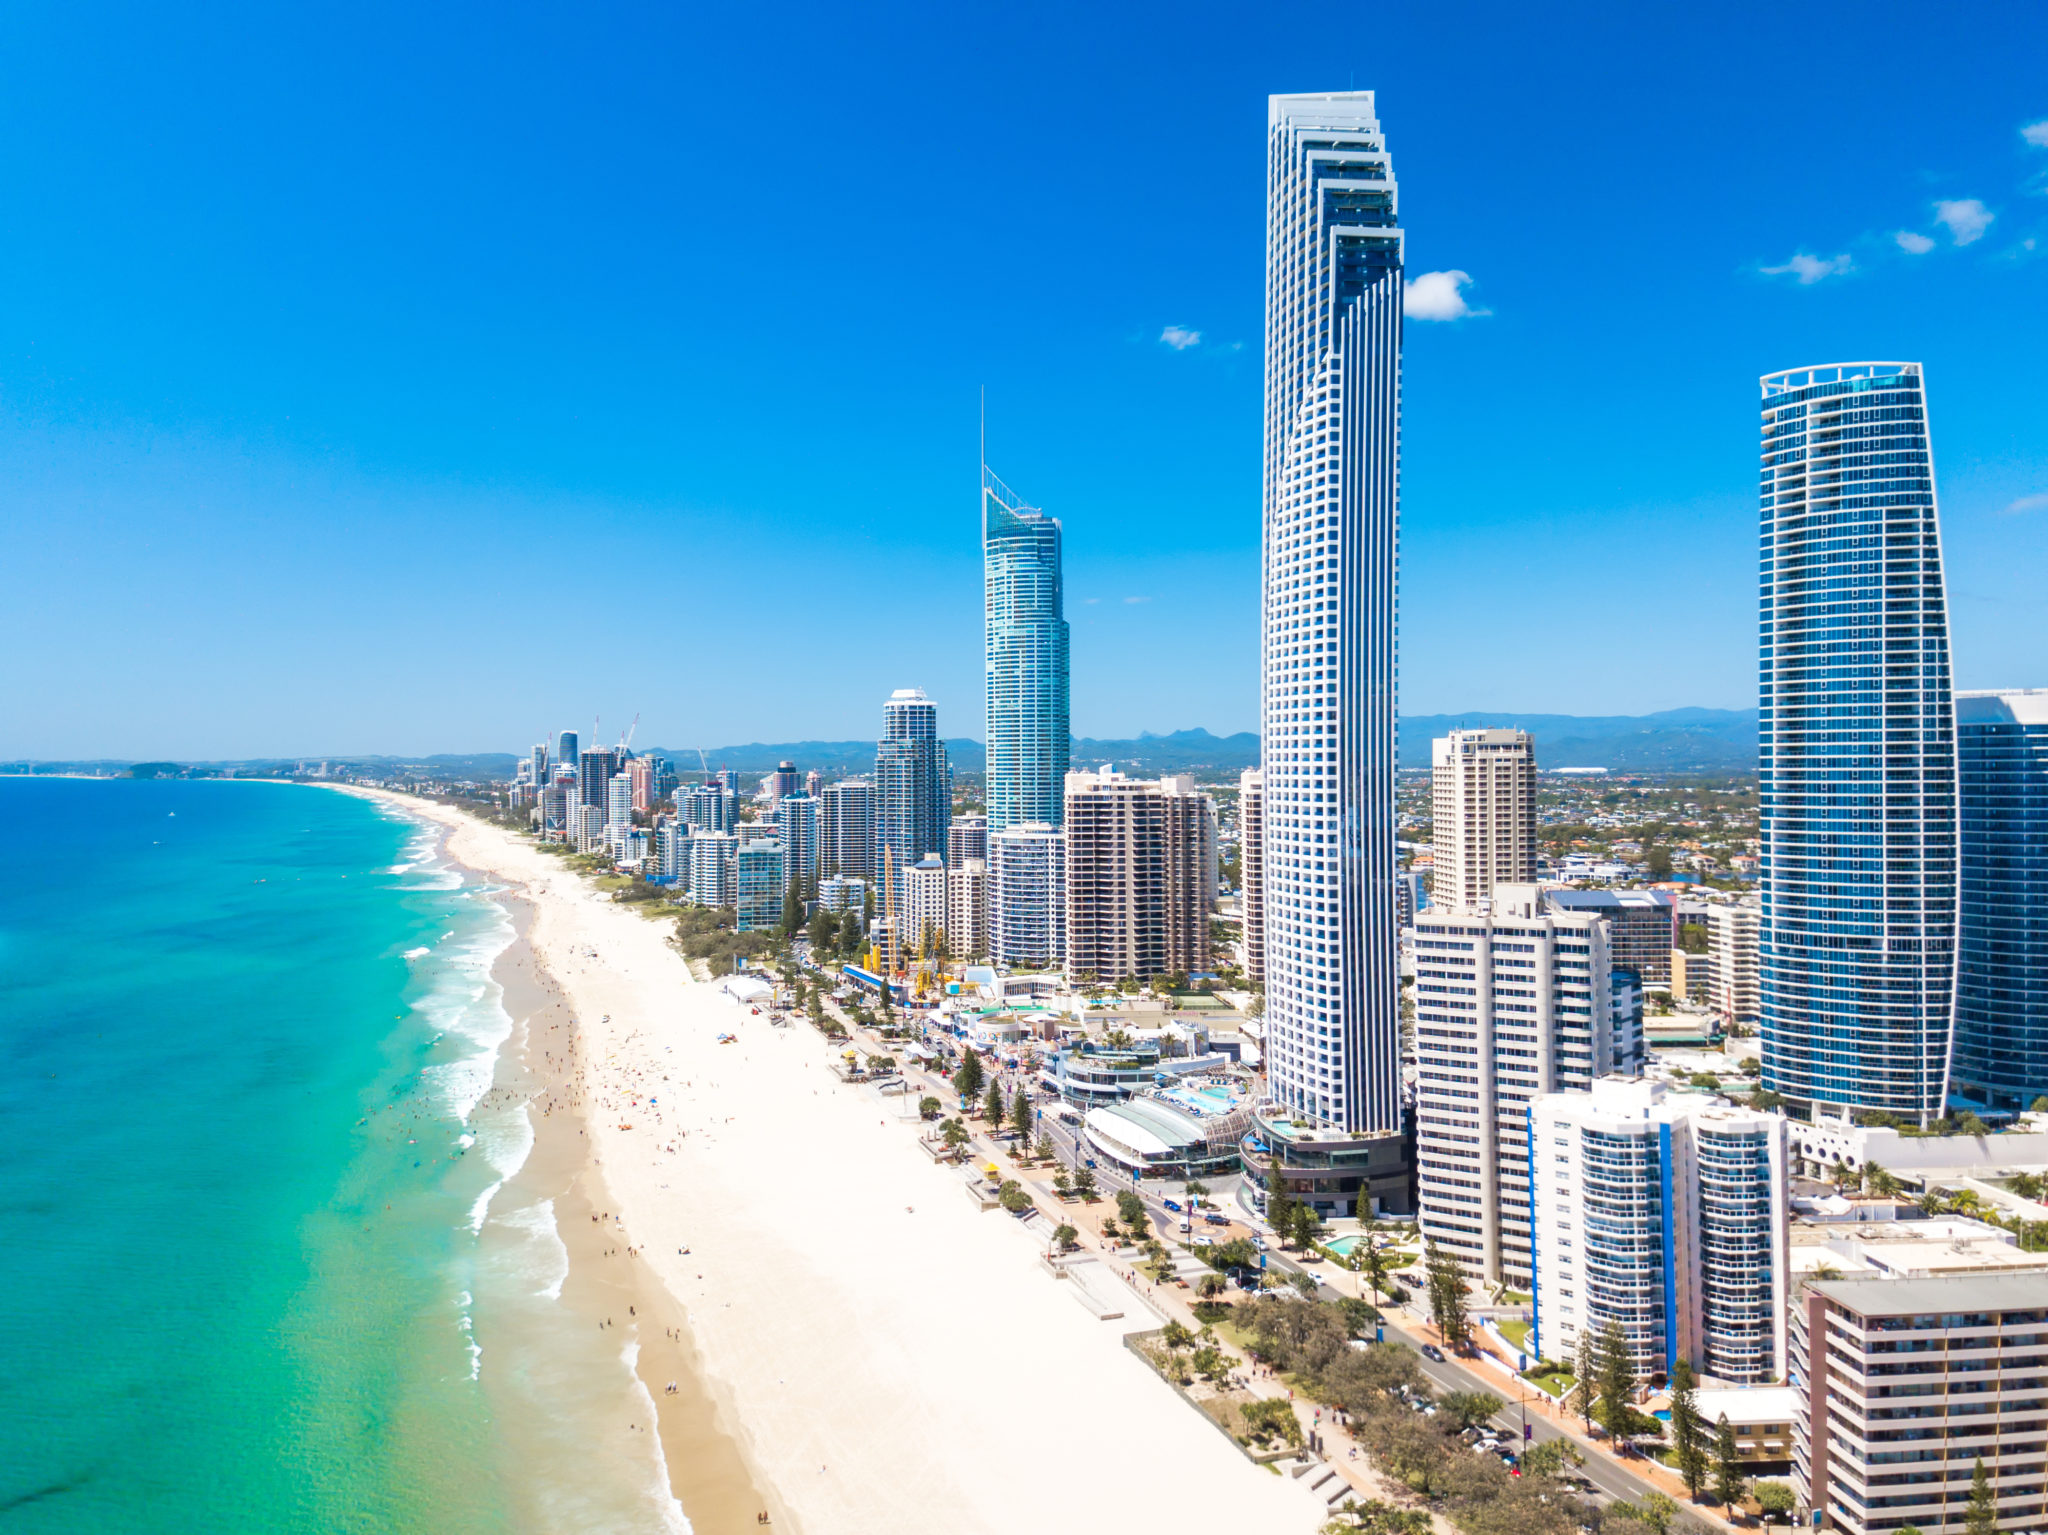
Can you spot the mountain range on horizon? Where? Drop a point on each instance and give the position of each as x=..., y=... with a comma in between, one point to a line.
x=1671, y=740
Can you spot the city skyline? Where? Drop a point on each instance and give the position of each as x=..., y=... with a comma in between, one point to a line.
x=308, y=440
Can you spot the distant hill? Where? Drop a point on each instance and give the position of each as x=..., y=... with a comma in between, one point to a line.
x=1674, y=741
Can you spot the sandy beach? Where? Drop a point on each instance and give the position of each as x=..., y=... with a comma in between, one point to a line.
x=856, y=1346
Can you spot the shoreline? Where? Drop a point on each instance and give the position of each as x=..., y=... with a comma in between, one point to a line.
x=883, y=1354
x=542, y=1061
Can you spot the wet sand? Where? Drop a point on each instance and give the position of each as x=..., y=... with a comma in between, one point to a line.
x=609, y=1291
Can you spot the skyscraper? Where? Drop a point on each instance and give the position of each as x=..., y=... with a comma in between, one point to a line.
x=1251, y=869
x=1028, y=732
x=1483, y=815
x=1331, y=512
x=966, y=838
x=847, y=835
x=2001, y=1049
x=1856, y=746
x=1141, y=876
x=1028, y=899
x=565, y=750
x=796, y=822
x=913, y=788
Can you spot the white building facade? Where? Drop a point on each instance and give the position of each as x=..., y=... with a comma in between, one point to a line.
x=1028, y=901
x=1665, y=1214
x=1508, y=1007
x=1483, y=822
x=1331, y=521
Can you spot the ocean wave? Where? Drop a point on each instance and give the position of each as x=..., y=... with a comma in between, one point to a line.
x=420, y=953
x=548, y=1263
x=659, y=1492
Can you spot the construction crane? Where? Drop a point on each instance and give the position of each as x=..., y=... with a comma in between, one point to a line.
x=626, y=740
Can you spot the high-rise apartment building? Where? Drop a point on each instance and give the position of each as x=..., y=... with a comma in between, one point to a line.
x=847, y=828
x=967, y=838
x=1904, y=1385
x=640, y=777
x=967, y=909
x=1141, y=876
x=565, y=750
x=1665, y=1215
x=759, y=884
x=797, y=826
x=1856, y=742
x=619, y=801
x=1028, y=731
x=595, y=769
x=537, y=764
x=913, y=787
x=1642, y=926
x=1331, y=512
x=921, y=906
x=1732, y=952
x=1028, y=901
x=712, y=873
x=2001, y=1027
x=1251, y=869
x=1508, y=1006
x=1483, y=802
x=672, y=852
x=708, y=808
x=813, y=782
x=782, y=783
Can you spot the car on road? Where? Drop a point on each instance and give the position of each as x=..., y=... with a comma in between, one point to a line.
x=1173, y=1205
x=1217, y=1220
x=1431, y=1351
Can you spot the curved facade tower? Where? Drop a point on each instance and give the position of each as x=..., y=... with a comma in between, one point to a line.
x=1331, y=511
x=2001, y=1054
x=1856, y=746
x=1028, y=731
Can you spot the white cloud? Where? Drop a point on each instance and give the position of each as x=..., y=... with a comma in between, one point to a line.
x=1180, y=338
x=2036, y=133
x=1966, y=218
x=1439, y=296
x=1137, y=599
x=1811, y=269
x=2028, y=504
x=1914, y=243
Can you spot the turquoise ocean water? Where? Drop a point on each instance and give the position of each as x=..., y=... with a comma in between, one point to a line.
x=260, y=1265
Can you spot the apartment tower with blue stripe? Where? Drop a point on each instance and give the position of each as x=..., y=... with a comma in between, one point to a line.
x=1331, y=514
x=1856, y=745
x=1029, y=735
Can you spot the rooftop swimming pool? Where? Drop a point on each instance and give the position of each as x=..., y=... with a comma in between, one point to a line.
x=1205, y=1099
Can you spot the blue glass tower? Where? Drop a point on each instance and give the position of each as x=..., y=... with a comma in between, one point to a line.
x=1856, y=740
x=1331, y=512
x=2001, y=1051
x=1028, y=729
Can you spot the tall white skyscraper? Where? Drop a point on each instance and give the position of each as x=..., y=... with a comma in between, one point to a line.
x=1331, y=507
x=1483, y=813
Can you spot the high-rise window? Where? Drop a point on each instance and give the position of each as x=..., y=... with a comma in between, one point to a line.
x=2001, y=1039
x=1856, y=745
x=1331, y=507
x=1028, y=732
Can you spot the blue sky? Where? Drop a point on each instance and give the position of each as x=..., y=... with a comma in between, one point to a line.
x=415, y=378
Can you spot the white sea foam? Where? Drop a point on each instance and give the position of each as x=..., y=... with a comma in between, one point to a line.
x=659, y=1491
x=417, y=953
x=547, y=1257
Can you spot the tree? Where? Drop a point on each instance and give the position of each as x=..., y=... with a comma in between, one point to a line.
x=792, y=913
x=1084, y=1182
x=1446, y=1282
x=1980, y=1514
x=1585, y=1381
x=954, y=1135
x=992, y=1106
x=1878, y=1181
x=1308, y=1226
x=1176, y=1336
x=1066, y=1238
x=1021, y=1116
x=1044, y=1148
x=1688, y=1438
x=1551, y=1458
x=1727, y=1469
x=929, y=1108
x=1131, y=1210
x=1776, y=1499
x=1373, y=1264
x=1617, y=1369
x=968, y=1079
x=1470, y=1408
x=1279, y=1208
x=1362, y=1208
x=1195, y=1190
